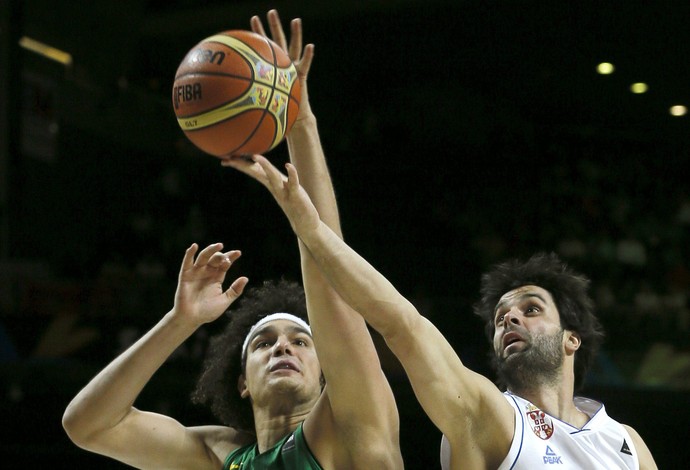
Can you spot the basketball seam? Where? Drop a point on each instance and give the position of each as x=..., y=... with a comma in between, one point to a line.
x=265, y=109
x=215, y=74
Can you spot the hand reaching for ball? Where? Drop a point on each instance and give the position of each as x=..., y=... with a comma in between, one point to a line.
x=300, y=57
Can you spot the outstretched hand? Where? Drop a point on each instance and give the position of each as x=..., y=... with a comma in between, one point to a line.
x=301, y=57
x=200, y=297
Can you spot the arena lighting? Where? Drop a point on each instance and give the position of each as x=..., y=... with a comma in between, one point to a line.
x=678, y=110
x=49, y=52
x=639, y=88
x=605, y=68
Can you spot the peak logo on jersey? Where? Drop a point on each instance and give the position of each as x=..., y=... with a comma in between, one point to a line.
x=541, y=423
x=551, y=458
x=625, y=449
x=289, y=444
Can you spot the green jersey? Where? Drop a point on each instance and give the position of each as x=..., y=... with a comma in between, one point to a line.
x=290, y=453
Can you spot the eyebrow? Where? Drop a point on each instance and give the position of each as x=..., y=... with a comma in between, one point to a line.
x=268, y=329
x=522, y=297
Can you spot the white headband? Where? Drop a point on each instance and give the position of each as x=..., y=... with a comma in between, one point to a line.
x=272, y=317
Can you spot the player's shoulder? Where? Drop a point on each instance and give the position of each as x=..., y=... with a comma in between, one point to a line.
x=643, y=453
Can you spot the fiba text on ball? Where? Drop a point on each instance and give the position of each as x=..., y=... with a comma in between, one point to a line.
x=188, y=92
x=191, y=92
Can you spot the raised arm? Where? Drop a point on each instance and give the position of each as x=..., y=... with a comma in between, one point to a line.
x=358, y=396
x=464, y=405
x=102, y=418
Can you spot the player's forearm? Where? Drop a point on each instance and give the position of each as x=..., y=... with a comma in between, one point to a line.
x=363, y=288
x=335, y=321
x=307, y=155
x=327, y=312
x=109, y=396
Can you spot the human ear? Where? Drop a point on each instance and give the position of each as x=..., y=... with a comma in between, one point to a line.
x=242, y=386
x=572, y=342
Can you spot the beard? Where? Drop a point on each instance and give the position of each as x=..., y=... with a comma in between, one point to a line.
x=538, y=364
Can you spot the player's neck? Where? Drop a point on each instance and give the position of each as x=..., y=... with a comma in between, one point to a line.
x=557, y=401
x=270, y=427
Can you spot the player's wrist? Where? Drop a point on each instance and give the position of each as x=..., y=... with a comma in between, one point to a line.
x=309, y=231
x=182, y=320
x=306, y=119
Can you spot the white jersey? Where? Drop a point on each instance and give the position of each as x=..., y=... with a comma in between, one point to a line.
x=542, y=441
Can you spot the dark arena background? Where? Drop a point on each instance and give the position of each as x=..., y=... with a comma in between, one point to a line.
x=458, y=133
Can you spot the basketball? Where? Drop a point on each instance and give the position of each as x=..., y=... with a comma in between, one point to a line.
x=236, y=93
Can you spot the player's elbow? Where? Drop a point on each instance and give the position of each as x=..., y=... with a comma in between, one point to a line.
x=71, y=425
x=76, y=427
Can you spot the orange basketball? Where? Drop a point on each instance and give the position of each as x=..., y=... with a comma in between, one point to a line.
x=236, y=93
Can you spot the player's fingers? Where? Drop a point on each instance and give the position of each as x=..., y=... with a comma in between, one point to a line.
x=275, y=177
x=247, y=167
x=237, y=161
x=277, y=33
x=233, y=255
x=236, y=288
x=188, y=260
x=219, y=260
x=295, y=48
x=257, y=26
x=271, y=172
x=205, y=255
x=292, y=177
x=305, y=61
x=224, y=261
x=241, y=163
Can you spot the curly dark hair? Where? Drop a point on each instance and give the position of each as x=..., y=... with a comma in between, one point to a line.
x=568, y=289
x=223, y=365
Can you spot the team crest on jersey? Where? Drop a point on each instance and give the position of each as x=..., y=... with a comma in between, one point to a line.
x=540, y=422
